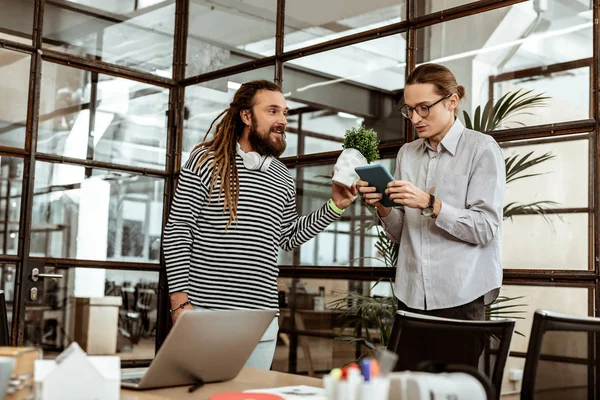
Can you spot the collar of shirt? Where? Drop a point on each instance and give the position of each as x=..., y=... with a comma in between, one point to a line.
x=450, y=141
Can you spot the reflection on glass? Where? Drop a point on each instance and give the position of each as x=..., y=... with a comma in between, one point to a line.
x=115, y=32
x=7, y=284
x=11, y=174
x=378, y=63
x=340, y=243
x=121, y=7
x=125, y=125
x=546, y=242
x=563, y=179
x=563, y=104
x=138, y=312
x=515, y=38
x=204, y=102
x=316, y=313
x=317, y=131
x=224, y=34
x=423, y=7
x=345, y=87
x=96, y=215
x=16, y=18
x=14, y=88
x=335, y=19
x=121, y=305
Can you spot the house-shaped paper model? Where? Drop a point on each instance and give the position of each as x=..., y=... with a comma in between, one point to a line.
x=75, y=375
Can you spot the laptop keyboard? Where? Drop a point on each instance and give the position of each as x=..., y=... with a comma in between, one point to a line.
x=137, y=379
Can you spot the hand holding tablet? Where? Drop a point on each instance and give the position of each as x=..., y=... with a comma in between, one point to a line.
x=378, y=176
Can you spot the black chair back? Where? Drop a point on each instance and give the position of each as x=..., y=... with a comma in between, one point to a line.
x=561, y=361
x=4, y=329
x=423, y=339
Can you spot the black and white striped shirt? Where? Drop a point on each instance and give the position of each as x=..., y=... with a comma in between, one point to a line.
x=235, y=268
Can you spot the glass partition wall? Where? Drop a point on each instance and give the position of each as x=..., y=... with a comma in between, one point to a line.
x=101, y=104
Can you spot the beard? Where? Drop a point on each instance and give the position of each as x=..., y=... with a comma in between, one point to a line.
x=263, y=143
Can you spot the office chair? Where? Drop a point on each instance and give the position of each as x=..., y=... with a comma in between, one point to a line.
x=560, y=361
x=4, y=335
x=411, y=331
x=146, y=305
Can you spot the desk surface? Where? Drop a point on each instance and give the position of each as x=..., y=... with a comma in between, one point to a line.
x=249, y=378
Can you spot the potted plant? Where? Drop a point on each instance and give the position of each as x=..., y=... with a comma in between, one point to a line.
x=360, y=148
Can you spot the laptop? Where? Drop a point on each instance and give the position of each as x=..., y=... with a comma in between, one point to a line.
x=203, y=346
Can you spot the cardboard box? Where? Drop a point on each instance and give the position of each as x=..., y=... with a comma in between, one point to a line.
x=21, y=386
x=96, y=324
x=24, y=359
x=25, y=393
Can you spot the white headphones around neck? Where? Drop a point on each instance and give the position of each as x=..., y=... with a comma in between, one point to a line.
x=253, y=160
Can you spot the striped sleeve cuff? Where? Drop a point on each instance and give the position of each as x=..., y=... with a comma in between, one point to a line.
x=327, y=215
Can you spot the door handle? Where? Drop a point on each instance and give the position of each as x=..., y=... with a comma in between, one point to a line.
x=35, y=275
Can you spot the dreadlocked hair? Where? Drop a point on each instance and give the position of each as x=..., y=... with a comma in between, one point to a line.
x=223, y=145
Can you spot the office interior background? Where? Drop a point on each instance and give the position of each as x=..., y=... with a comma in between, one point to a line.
x=101, y=103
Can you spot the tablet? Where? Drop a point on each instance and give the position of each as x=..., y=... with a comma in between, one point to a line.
x=377, y=175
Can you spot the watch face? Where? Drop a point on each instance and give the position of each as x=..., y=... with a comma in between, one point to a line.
x=428, y=212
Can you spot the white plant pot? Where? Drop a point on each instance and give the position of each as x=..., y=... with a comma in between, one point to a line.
x=343, y=171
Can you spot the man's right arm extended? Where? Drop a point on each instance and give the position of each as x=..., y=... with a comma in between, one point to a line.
x=178, y=236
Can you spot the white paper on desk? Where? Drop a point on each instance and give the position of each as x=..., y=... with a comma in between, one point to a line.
x=301, y=392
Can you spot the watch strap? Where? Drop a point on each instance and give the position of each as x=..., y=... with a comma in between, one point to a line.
x=431, y=201
x=428, y=211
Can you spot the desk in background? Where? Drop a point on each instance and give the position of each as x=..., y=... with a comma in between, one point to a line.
x=249, y=378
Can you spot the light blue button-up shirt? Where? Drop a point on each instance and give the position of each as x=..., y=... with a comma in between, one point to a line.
x=455, y=258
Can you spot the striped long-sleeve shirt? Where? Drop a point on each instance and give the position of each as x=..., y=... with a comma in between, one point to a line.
x=234, y=268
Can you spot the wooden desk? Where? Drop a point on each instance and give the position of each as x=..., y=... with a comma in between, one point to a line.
x=249, y=378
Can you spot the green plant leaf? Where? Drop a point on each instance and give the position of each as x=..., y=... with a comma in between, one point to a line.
x=517, y=164
x=504, y=107
x=539, y=207
x=486, y=121
x=364, y=140
x=477, y=120
x=497, y=307
x=508, y=106
x=505, y=307
x=468, y=123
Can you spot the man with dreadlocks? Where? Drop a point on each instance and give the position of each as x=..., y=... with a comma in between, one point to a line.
x=234, y=207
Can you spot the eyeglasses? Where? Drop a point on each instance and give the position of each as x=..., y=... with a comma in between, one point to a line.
x=421, y=109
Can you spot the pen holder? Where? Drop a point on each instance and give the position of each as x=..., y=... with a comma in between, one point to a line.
x=368, y=381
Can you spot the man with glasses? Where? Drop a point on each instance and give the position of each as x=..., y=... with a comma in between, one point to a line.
x=450, y=183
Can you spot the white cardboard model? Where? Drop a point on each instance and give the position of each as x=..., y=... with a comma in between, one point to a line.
x=75, y=375
x=343, y=170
